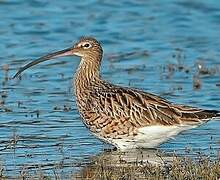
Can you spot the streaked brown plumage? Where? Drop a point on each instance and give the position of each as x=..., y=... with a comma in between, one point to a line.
x=123, y=116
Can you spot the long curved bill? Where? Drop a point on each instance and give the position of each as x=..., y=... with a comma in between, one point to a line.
x=65, y=52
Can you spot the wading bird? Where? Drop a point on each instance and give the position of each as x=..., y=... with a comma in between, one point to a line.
x=125, y=117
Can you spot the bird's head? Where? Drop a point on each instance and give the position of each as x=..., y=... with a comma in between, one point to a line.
x=87, y=48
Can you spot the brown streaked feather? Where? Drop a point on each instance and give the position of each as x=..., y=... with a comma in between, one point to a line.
x=128, y=103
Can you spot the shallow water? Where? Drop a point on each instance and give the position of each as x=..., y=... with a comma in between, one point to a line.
x=157, y=46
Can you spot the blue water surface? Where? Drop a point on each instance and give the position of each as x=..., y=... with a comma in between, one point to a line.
x=164, y=47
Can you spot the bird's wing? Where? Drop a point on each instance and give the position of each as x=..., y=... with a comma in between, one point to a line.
x=142, y=109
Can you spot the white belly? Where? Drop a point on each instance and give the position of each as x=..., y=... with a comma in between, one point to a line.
x=150, y=136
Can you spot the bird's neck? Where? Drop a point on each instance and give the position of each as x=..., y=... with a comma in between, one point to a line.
x=86, y=76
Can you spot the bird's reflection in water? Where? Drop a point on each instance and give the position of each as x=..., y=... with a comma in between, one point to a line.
x=140, y=156
x=114, y=163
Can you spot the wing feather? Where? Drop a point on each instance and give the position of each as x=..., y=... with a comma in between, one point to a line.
x=144, y=109
x=121, y=111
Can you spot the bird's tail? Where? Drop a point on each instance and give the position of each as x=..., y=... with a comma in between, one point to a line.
x=214, y=114
x=217, y=117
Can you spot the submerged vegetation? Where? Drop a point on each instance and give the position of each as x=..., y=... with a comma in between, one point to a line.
x=113, y=165
x=180, y=168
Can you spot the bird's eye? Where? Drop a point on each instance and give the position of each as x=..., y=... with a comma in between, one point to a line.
x=87, y=45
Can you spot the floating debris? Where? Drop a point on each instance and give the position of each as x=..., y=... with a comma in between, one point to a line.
x=170, y=69
x=202, y=69
x=5, y=67
x=37, y=113
x=2, y=102
x=65, y=108
x=7, y=109
x=128, y=55
x=196, y=83
x=4, y=94
x=19, y=104
x=56, y=108
x=177, y=88
x=135, y=68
